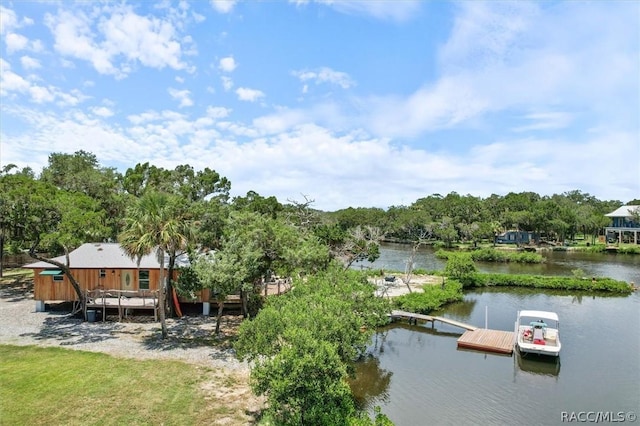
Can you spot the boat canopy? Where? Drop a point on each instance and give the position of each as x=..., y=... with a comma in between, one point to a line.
x=539, y=314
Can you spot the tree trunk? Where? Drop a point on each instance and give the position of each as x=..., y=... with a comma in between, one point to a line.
x=65, y=269
x=243, y=300
x=1, y=254
x=170, y=304
x=219, y=318
x=162, y=297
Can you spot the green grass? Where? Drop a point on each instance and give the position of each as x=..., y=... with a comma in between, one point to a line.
x=11, y=274
x=60, y=386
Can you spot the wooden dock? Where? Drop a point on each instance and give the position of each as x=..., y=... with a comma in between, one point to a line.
x=476, y=338
x=412, y=317
x=497, y=341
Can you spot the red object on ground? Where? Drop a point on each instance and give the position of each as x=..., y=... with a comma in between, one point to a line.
x=176, y=303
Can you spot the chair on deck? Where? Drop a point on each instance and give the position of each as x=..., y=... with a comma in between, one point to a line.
x=538, y=336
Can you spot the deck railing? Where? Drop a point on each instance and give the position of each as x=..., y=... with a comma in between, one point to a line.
x=121, y=300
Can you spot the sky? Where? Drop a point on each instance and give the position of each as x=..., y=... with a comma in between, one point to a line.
x=346, y=103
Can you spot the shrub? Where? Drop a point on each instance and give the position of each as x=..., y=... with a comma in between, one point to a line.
x=493, y=255
x=433, y=297
x=549, y=282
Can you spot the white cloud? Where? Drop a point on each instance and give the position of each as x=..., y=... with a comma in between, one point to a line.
x=15, y=42
x=119, y=35
x=227, y=83
x=250, y=95
x=12, y=83
x=325, y=75
x=223, y=6
x=29, y=63
x=181, y=95
x=8, y=20
x=545, y=121
x=102, y=111
x=227, y=64
x=516, y=58
x=391, y=10
x=218, y=112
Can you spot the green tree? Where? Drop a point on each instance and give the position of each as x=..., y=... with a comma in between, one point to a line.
x=13, y=199
x=42, y=216
x=184, y=181
x=460, y=266
x=302, y=345
x=305, y=382
x=153, y=224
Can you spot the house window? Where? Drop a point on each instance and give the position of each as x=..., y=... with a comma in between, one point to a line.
x=143, y=280
x=102, y=273
x=58, y=278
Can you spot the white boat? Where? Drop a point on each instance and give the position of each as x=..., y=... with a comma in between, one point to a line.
x=537, y=332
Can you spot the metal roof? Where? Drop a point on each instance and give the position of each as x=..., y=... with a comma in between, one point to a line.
x=107, y=255
x=624, y=211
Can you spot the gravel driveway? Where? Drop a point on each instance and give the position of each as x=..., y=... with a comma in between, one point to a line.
x=191, y=339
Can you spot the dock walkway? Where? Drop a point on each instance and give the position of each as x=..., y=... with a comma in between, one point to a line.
x=475, y=338
x=412, y=317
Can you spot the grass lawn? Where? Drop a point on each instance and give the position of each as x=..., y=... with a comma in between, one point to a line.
x=61, y=386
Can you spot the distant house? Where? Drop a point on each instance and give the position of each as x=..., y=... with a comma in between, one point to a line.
x=103, y=266
x=624, y=227
x=516, y=237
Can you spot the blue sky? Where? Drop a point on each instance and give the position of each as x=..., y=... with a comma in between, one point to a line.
x=361, y=103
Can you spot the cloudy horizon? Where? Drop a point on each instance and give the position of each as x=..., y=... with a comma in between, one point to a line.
x=352, y=104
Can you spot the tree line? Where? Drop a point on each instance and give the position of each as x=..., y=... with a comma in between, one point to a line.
x=301, y=344
x=74, y=200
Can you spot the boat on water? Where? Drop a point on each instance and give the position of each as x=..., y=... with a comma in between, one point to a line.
x=537, y=332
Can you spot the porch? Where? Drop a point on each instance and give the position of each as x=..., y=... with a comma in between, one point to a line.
x=622, y=235
x=122, y=300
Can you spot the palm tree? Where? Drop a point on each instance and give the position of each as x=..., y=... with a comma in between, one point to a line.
x=155, y=222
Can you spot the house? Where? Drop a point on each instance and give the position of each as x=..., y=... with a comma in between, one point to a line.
x=625, y=227
x=516, y=237
x=103, y=266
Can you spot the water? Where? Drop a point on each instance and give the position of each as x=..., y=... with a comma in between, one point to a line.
x=625, y=267
x=417, y=375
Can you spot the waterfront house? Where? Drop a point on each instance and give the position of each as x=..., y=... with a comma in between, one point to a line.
x=99, y=266
x=516, y=237
x=625, y=226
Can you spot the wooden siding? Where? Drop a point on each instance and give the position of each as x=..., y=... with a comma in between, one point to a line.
x=45, y=288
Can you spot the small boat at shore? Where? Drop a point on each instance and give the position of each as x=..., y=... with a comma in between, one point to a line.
x=537, y=332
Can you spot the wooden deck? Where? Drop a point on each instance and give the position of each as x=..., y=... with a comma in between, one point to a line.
x=497, y=341
x=121, y=300
x=412, y=317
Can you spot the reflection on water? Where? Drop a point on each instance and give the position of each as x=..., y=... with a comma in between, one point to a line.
x=371, y=383
x=537, y=364
x=424, y=377
x=459, y=311
x=617, y=266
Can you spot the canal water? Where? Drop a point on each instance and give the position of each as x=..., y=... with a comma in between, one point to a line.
x=417, y=375
x=625, y=267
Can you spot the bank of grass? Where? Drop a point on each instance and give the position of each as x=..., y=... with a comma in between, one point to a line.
x=493, y=255
x=548, y=282
x=433, y=297
x=61, y=386
x=602, y=248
